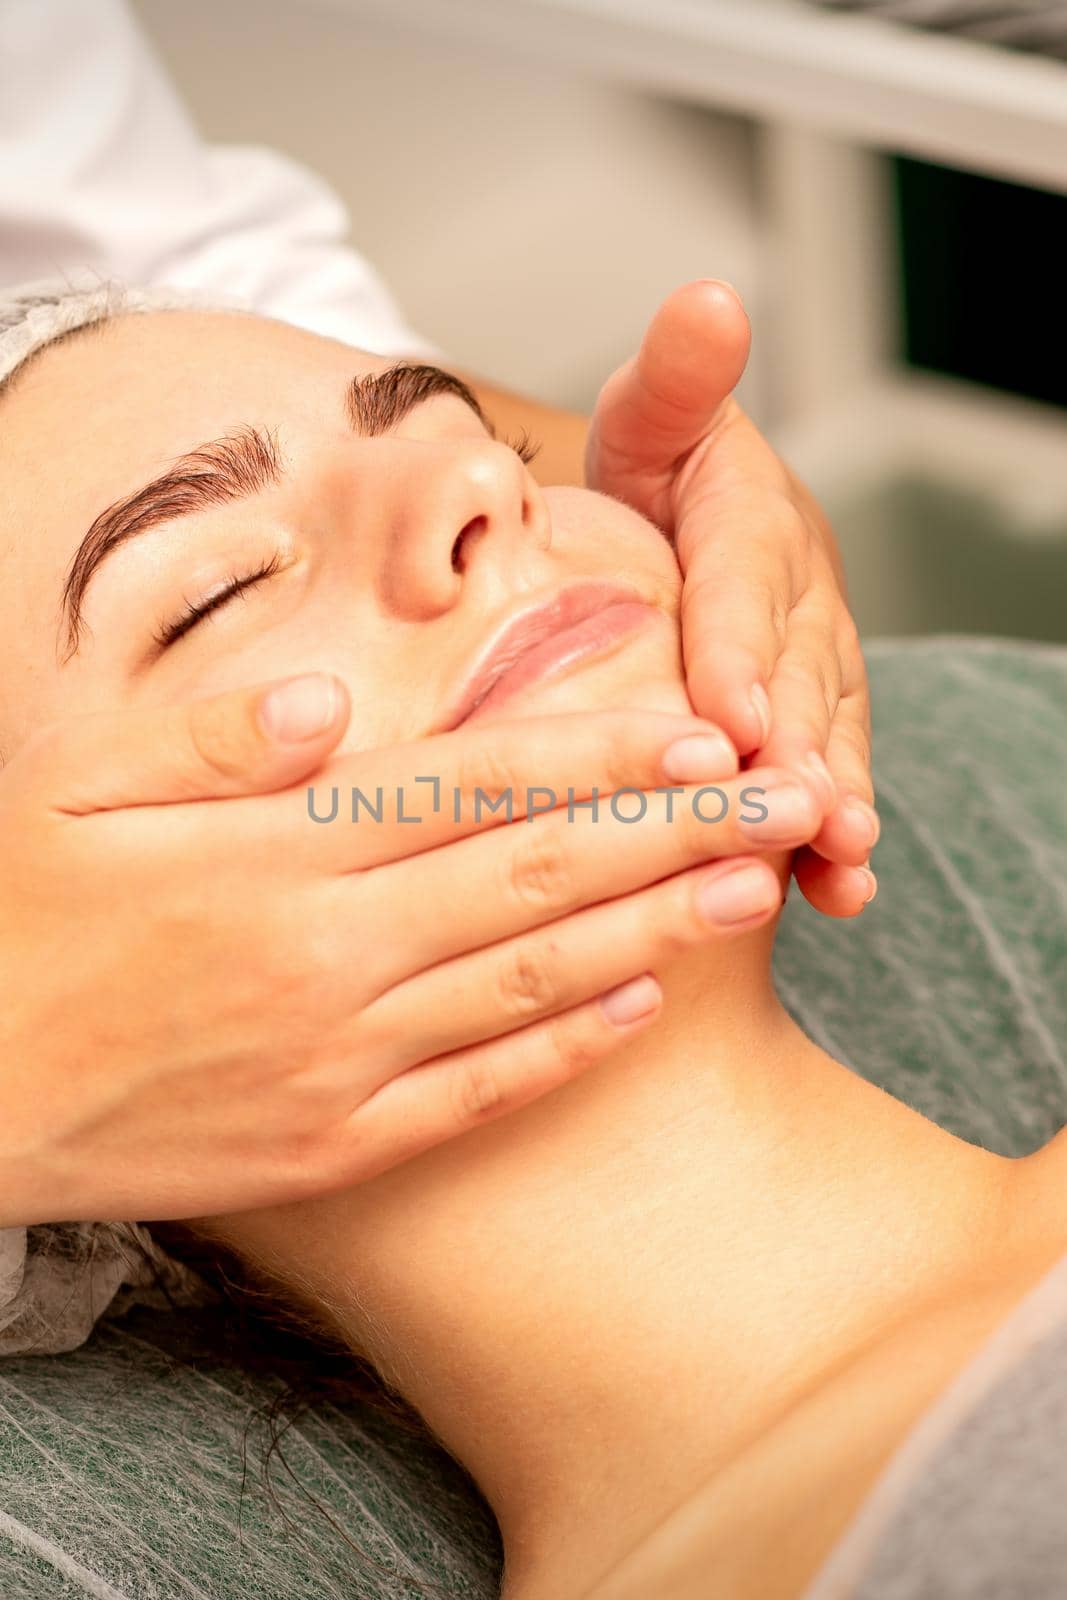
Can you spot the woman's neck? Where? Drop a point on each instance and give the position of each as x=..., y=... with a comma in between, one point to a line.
x=599, y=1302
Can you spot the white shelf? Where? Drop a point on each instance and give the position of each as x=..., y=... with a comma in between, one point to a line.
x=858, y=78
x=1005, y=451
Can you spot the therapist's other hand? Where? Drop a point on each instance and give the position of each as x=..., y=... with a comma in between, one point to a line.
x=771, y=651
x=212, y=1002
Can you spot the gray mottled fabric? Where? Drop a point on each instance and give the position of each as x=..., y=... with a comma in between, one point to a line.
x=132, y=1469
x=121, y=1461
x=972, y=1505
x=951, y=990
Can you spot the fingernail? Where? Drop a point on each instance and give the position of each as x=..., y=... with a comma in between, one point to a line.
x=761, y=705
x=631, y=1001
x=870, y=883
x=824, y=777
x=736, y=895
x=698, y=756
x=300, y=709
x=722, y=283
x=861, y=813
x=790, y=814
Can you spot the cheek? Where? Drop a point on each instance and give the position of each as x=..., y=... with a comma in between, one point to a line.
x=386, y=709
x=387, y=701
x=602, y=532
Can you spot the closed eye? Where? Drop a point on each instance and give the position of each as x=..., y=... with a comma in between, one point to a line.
x=169, y=633
x=193, y=612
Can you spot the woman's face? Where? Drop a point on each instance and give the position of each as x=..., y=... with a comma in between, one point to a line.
x=386, y=549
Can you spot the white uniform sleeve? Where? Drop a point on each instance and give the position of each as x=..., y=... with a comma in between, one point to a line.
x=102, y=170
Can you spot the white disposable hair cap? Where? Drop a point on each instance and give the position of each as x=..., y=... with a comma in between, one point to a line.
x=35, y=314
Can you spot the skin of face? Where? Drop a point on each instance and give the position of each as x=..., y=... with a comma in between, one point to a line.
x=363, y=531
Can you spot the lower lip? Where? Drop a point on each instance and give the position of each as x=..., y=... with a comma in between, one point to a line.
x=554, y=655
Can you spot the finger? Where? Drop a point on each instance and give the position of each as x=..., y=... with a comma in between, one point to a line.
x=835, y=890
x=804, y=694
x=245, y=742
x=661, y=402
x=439, y=1100
x=736, y=606
x=851, y=829
x=734, y=512
x=509, y=985
x=404, y=800
x=528, y=875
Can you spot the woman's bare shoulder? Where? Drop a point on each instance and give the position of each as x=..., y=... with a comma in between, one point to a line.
x=766, y=1523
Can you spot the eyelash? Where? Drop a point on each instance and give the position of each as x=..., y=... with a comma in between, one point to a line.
x=194, y=613
x=524, y=447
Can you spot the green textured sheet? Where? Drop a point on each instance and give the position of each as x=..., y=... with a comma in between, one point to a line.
x=121, y=1462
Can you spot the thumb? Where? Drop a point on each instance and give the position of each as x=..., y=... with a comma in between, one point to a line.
x=659, y=404
x=248, y=741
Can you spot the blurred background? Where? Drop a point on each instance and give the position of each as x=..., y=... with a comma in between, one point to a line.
x=531, y=177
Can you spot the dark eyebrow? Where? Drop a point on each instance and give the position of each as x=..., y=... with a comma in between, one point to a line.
x=241, y=464
x=230, y=468
x=380, y=401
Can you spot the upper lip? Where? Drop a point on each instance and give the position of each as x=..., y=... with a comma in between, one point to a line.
x=527, y=629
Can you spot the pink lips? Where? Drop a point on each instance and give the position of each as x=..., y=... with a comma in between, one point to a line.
x=580, y=621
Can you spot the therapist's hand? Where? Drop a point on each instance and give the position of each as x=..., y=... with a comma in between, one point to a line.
x=771, y=651
x=213, y=1002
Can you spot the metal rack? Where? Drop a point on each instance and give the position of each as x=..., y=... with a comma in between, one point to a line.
x=857, y=77
x=1039, y=25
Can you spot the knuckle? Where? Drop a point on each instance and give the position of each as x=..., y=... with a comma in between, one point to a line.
x=479, y=1091
x=318, y=1160
x=795, y=536
x=679, y=936
x=709, y=587
x=808, y=681
x=484, y=768
x=219, y=739
x=575, y=1047
x=780, y=513
x=703, y=824
x=624, y=755
x=299, y=972
x=852, y=731
x=690, y=932
x=740, y=594
x=526, y=984
x=778, y=613
x=849, y=646
x=855, y=741
x=541, y=874
x=799, y=673
x=824, y=687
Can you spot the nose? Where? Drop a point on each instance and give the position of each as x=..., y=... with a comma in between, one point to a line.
x=464, y=514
